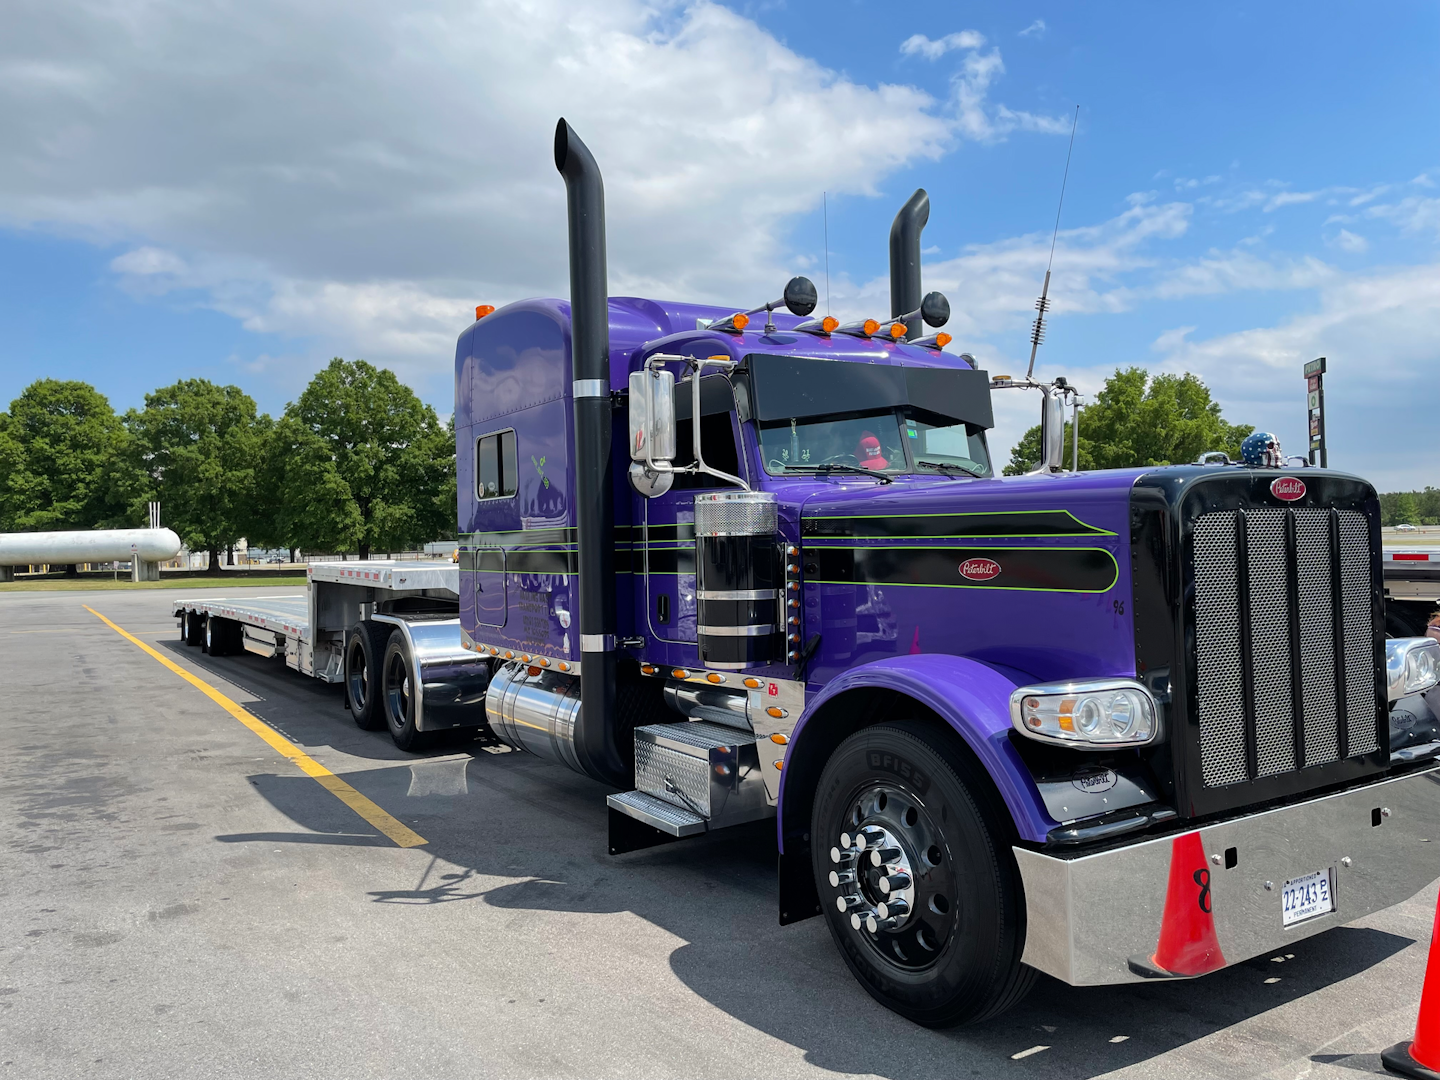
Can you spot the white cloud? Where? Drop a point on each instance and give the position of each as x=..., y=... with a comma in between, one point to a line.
x=920, y=45
x=1036, y=28
x=1354, y=243
x=1413, y=214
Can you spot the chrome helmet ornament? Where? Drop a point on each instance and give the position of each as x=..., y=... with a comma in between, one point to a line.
x=1262, y=451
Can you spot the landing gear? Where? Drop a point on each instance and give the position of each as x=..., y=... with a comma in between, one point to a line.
x=916, y=877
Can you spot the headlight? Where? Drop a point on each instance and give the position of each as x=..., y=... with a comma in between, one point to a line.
x=1412, y=665
x=1088, y=714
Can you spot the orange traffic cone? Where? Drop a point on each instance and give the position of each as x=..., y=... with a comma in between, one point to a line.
x=1421, y=1058
x=1188, y=945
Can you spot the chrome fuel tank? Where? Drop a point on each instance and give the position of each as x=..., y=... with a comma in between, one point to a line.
x=535, y=712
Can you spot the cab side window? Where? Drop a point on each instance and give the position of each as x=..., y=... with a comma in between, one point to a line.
x=495, y=465
x=717, y=434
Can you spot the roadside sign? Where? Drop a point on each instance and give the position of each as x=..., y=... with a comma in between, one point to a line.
x=1315, y=367
x=1312, y=400
x=1312, y=383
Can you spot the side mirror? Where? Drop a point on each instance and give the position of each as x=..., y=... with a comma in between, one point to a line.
x=652, y=431
x=800, y=296
x=935, y=309
x=1052, y=432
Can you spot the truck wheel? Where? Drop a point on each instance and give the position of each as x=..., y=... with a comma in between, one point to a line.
x=191, y=628
x=216, y=637
x=364, y=649
x=916, y=877
x=401, y=691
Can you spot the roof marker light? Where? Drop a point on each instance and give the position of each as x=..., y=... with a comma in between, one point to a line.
x=481, y=310
x=898, y=330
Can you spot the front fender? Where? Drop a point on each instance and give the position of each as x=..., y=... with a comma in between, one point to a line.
x=970, y=696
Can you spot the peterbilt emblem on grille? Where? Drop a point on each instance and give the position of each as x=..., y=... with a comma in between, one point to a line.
x=979, y=569
x=1287, y=488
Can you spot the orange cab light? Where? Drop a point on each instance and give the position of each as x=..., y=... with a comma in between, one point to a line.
x=898, y=330
x=777, y=712
x=1066, y=719
x=525, y=659
x=680, y=673
x=870, y=327
x=564, y=666
x=829, y=323
x=779, y=764
x=941, y=340
x=647, y=669
x=753, y=683
x=712, y=677
x=739, y=322
x=509, y=655
x=481, y=310
x=779, y=740
x=543, y=662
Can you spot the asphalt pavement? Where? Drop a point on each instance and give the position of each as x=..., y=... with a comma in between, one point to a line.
x=177, y=899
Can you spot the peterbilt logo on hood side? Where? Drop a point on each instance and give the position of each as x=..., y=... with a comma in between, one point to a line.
x=1094, y=778
x=1287, y=488
x=979, y=569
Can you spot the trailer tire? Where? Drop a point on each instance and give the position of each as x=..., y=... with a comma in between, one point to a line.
x=400, y=691
x=219, y=636
x=189, y=628
x=953, y=955
x=364, y=649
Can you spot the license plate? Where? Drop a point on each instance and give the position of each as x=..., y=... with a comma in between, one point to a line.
x=1304, y=898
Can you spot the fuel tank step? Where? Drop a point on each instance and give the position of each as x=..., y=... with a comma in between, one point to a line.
x=657, y=813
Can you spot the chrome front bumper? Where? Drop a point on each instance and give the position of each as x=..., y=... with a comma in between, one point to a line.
x=1097, y=919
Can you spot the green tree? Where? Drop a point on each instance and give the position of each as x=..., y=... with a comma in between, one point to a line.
x=198, y=443
x=1136, y=420
x=64, y=461
x=1401, y=508
x=365, y=463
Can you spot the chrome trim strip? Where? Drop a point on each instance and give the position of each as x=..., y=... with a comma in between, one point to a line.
x=593, y=643
x=735, y=631
x=589, y=388
x=737, y=594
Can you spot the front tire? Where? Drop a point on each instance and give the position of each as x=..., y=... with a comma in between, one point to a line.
x=916, y=877
x=400, y=694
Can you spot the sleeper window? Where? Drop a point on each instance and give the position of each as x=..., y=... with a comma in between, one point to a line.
x=495, y=468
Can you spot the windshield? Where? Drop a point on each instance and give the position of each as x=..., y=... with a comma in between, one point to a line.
x=955, y=444
x=869, y=442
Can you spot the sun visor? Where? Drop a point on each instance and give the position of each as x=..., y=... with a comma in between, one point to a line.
x=782, y=387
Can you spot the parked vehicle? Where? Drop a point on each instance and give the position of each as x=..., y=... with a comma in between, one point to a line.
x=1113, y=726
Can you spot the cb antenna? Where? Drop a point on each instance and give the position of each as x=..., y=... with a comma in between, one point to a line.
x=1037, y=333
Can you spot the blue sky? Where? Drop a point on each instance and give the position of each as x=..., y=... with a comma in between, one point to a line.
x=1252, y=185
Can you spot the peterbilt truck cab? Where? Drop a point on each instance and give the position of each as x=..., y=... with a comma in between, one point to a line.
x=741, y=564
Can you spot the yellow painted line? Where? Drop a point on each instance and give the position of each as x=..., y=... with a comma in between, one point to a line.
x=391, y=826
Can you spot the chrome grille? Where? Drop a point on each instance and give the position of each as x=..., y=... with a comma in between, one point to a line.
x=1255, y=590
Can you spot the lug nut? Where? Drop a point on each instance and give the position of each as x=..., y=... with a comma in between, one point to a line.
x=870, y=837
x=842, y=877
x=848, y=903
x=881, y=856
x=891, y=908
x=895, y=883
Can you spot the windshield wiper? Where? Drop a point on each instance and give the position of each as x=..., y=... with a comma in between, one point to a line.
x=837, y=466
x=952, y=465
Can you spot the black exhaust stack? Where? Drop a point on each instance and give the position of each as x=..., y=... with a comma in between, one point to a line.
x=905, y=259
x=596, y=742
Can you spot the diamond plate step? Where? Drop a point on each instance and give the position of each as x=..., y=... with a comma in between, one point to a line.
x=657, y=813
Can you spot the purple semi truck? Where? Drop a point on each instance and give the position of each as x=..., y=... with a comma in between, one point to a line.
x=1113, y=726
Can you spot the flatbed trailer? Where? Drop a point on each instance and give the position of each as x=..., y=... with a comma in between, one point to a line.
x=1412, y=587
x=380, y=628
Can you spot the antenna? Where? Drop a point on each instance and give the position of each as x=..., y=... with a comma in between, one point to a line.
x=1037, y=332
x=825, y=205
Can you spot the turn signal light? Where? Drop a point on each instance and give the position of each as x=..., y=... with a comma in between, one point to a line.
x=898, y=330
x=941, y=340
x=481, y=310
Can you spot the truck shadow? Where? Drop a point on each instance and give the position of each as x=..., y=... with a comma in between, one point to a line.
x=541, y=831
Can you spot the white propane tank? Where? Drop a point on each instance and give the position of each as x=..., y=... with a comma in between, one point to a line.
x=93, y=546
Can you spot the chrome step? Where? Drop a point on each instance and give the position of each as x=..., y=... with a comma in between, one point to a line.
x=657, y=813
x=709, y=769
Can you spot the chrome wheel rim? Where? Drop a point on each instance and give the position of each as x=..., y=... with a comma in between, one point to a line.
x=891, y=877
x=356, y=681
x=397, y=691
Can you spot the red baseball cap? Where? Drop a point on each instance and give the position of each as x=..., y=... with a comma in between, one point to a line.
x=868, y=453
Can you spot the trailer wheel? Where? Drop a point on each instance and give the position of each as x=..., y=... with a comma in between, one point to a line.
x=219, y=636
x=191, y=631
x=401, y=692
x=916, y=877
x=364, y=649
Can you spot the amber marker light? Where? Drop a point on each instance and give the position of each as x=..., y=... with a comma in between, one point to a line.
x=740, y=321
x=509, y=655
x=941, y=340
x=543, y=662
x=777, y=712
x=779, y=764
x=647, y=669
x=564, y=666
x=754, y=684
x=481, y=310
x=679, y=673
x=779, y=740
x=712, y=677
x=870, y=327
x=897, y=330
x=829, y=323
